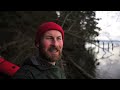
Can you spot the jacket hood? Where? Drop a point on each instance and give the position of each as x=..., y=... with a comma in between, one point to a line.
x=38, y=62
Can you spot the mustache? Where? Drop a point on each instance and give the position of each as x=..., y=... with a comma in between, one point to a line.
x=54, y=48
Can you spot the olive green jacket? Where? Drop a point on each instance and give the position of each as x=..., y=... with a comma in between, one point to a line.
x=38, y=68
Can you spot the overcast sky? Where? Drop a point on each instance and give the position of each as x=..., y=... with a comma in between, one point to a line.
x=110, y=25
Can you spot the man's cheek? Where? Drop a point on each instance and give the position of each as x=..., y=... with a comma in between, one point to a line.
x=46, y=45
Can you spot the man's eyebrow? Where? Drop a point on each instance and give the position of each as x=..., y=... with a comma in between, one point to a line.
x=59, y=36
x=48, y=36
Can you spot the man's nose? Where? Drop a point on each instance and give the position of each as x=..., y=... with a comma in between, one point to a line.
x=55, y=42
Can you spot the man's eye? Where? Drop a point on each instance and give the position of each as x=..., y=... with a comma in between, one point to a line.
x=59, y=38
x=48, y=38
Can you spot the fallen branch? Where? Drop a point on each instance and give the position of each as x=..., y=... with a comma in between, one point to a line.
x=81, y=70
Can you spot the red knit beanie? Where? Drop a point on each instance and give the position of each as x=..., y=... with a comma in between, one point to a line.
x=47, y=27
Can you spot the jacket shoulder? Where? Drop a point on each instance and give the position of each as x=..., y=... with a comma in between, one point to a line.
x=27, y=69
x=24, y=72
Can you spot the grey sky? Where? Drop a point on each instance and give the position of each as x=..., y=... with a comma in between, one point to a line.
x=110, y=24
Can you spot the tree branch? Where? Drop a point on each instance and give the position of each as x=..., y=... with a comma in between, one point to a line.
x=66, y=18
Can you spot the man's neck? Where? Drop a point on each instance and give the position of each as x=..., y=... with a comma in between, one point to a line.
x=53, y=63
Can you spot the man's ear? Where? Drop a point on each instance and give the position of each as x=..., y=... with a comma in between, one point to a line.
x=37, y=45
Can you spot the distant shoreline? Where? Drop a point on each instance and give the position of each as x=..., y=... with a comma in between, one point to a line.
x=109, y=41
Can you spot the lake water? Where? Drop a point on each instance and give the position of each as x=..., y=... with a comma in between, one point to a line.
x=108, y=60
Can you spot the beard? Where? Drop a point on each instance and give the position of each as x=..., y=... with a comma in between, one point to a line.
x=51, y=57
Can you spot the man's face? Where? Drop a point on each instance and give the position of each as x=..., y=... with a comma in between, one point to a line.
x=52, y=45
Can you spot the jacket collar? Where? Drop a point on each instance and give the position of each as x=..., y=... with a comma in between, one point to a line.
x=41, y=63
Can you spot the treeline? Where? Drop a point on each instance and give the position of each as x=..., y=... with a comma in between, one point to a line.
x=17, y=33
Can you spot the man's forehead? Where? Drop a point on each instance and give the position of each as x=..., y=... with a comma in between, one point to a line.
x=53, y=33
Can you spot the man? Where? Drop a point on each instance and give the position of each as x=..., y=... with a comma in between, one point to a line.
x=49, y=41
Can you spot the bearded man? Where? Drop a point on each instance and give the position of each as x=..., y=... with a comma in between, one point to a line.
x=49, y=41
